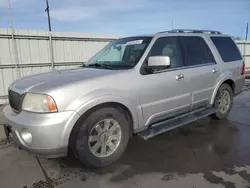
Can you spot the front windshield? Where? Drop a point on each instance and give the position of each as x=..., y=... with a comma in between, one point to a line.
x=121, y=53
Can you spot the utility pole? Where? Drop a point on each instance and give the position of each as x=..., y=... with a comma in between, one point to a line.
x=244, y=55
x=10, y=14
x=50, y=37
x=14, y=45
x=246, y=32
x=47, y=10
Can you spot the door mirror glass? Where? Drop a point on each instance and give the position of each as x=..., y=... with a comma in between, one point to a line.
x=159, y=61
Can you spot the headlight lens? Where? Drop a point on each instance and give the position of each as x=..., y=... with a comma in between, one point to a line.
x=39, y=103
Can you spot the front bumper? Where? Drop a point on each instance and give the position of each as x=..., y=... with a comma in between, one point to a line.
x=49, y=132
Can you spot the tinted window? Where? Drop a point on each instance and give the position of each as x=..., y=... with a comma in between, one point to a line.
x=196, y=51
x=227, y=48
x=168, y=46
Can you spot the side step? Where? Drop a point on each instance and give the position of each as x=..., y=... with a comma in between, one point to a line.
x=167, y=125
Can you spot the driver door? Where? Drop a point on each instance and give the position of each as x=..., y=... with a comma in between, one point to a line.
x=164, y=93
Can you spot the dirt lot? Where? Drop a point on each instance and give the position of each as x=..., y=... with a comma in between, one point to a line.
x=208, y=153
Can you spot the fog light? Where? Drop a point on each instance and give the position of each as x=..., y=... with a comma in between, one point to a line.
x=26, y=136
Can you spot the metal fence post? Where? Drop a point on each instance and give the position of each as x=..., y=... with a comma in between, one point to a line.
x=15, y=52
x=51, y=51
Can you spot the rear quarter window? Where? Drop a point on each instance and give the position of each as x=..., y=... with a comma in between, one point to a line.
x=196, y=50
x=227, y=49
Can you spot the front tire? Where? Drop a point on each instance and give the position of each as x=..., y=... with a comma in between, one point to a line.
x=101, y=138
x=223, y=102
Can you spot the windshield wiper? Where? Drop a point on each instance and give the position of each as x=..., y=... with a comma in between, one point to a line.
x=123, y=65
x=101, y=65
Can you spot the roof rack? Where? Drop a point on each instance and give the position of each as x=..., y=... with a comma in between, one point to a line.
x=192, y=31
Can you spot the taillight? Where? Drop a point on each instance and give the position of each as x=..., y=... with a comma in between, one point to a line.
x=243, y=71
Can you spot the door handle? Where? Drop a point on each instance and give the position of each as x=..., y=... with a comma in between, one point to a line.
x=180, y=77
x=215, y=70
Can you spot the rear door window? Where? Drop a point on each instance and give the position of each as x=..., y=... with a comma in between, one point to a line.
x=196, y=51
x=227, y=48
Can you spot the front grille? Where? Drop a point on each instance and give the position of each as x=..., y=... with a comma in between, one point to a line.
x=15, y=100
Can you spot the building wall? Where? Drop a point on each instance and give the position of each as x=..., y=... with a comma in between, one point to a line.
x=27, y=52
x=244, y=47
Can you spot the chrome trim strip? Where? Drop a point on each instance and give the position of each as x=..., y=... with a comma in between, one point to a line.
x=185, y=67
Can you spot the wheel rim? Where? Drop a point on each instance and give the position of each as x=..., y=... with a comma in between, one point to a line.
x=104, y=138
x=224, y=101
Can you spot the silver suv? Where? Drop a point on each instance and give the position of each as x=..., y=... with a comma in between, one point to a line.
x=143, y=85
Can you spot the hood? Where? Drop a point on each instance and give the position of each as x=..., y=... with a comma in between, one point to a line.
x=47, y=81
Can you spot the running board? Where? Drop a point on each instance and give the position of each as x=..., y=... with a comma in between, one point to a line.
x=167, y=125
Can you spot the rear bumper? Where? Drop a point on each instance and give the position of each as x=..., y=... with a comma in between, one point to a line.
x=40, y=134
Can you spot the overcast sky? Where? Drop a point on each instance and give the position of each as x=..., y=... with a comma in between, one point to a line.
x=128, y=17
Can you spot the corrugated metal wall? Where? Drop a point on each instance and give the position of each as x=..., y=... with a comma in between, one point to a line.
x=32, y=50
x=244, y=47
x=37, y=51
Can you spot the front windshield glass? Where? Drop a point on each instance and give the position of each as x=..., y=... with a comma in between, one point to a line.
x=121, y=53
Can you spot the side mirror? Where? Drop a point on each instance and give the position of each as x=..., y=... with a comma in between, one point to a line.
x=158, y=61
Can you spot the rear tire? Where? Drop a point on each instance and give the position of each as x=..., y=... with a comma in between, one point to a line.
x=101, y=138
x=223, y=102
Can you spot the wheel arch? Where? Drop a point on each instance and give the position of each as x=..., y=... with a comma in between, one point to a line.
x=117, y=105
x=92, y=106
x=228, y=81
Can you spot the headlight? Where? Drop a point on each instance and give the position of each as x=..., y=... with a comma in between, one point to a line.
x=38, y=103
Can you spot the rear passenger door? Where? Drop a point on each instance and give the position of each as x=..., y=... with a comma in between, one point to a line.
x=201, y=72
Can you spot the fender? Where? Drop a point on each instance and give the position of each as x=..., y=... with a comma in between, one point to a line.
x=99, y=96
x=228, y=77
x=134, y=109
